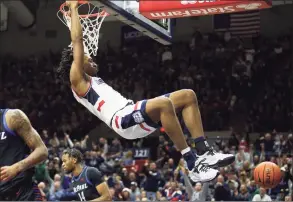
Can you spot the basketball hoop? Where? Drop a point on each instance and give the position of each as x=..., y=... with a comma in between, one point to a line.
x=91, y=22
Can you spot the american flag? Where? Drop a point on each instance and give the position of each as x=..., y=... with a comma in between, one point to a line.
x=244, y=24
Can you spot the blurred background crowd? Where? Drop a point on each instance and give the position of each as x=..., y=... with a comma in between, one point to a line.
x=242, y=86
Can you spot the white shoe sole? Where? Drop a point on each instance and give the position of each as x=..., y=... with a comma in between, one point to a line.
x=195, y=179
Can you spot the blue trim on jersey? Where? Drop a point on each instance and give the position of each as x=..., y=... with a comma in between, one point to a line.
x=5, y=124
x=74, y=178
x=128, y=120
x=88, y=90
x=86, y=178
x=92, y=96
x=85, y=94
x=146, y=117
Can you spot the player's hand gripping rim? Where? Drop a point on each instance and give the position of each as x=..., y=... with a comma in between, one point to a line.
x=72, y=4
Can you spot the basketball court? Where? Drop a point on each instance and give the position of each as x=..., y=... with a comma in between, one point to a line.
x=152, y=18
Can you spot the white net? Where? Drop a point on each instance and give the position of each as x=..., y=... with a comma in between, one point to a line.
x=91, y=24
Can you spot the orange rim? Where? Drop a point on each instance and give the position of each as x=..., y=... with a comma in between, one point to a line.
x=102, y=13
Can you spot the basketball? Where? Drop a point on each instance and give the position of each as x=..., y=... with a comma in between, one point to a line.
x=267, y=175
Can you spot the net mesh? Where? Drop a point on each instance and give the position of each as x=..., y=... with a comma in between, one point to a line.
x=91, y=24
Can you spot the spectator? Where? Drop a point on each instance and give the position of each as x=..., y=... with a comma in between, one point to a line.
x=84, y=143
x=262, y=196
x=135, y=192
x=42, y=187
x=56, y=192
x=128, y=158
x=198, y=193
x=104, y=146
x=288, y=198
x=169, y=168
x=115, y=150
x=269, y=145
x=242, y=195
x=173, y=192
x=241, y=157
x=166, y=55
x=283, y=188
x=222, y=190
x=153, y=178
x=243, y=178
x=126, y=194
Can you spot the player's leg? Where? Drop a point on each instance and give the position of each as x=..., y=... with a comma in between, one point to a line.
x=186, y=102
x=162, y=109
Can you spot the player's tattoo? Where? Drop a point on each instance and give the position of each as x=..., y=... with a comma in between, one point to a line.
x=19, y=122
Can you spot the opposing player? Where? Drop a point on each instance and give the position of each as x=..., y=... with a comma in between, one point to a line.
x=138, y=120
x=21, y=148
x=87, y=181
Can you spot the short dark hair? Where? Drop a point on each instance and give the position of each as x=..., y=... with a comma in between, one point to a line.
x=74, y=153
x=63, y=69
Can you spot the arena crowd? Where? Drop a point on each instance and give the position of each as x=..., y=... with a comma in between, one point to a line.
x=242, y=86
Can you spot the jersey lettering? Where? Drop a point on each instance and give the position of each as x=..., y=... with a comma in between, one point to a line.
x=80, y=187
x=81, y=196
x=3, y=136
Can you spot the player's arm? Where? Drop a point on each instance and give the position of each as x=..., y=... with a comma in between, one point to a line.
x=78, y=78
x=18, y=122
x=104, y=191
x=188, y=187
x=204, y=193
x=95, y=178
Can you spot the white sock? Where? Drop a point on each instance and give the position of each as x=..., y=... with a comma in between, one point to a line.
x=184, y=151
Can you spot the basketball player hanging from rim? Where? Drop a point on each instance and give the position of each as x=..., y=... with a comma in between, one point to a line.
x=138, y=120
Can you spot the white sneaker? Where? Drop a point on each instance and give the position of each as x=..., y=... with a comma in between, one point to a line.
x=215, y=159
x=202, y=172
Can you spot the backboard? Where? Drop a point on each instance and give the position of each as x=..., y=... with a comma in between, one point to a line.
x=127, y=11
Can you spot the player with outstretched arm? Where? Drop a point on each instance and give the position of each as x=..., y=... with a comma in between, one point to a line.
x=137, y=120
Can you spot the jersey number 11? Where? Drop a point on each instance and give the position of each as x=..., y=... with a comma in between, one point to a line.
x=81, y=196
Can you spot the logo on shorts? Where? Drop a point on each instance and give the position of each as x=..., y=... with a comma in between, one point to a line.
x=137, y=116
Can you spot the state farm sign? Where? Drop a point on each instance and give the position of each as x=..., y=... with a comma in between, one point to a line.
x=184, y=8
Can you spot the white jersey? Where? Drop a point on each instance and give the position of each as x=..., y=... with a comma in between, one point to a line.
x=102, y=100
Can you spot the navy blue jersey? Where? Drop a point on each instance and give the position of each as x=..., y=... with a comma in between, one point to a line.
x=12, y=150
x=84, y=185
